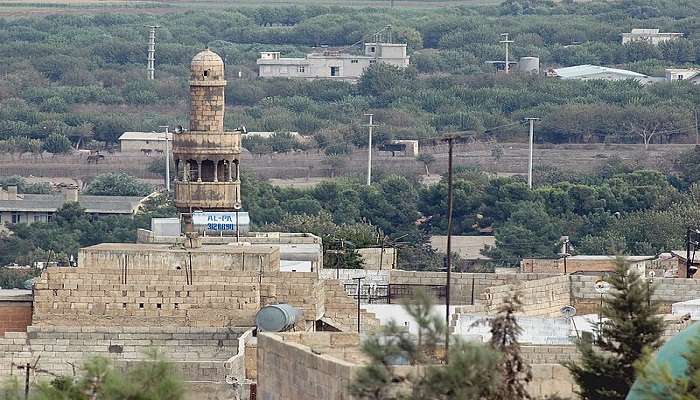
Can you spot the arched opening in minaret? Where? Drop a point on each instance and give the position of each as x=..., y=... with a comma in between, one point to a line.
x=222, y=171
x=191, y=170
x=208, y=171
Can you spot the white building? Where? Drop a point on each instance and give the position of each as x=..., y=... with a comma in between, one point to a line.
x=332, y=64
x=651, y=36
x=683, y=74
x=589, y=72
x=143, y=142
x=21, y=208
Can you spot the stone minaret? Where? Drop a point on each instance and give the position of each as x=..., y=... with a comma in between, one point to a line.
x=206, y=156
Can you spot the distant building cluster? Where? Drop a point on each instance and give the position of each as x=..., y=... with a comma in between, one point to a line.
x=332, y=64
x=651, y=36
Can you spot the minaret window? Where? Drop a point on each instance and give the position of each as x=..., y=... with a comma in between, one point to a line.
x=206, y=72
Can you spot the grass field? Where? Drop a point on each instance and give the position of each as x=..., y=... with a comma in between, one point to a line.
x=20, y=8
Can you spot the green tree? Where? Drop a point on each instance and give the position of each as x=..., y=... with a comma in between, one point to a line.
x=631, y=329
x=427, y=159
x=56, y=143
x=153, y=379
x=117, y=184
x=529, y=232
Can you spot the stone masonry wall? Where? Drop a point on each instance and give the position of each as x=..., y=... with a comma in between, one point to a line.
x=667, y=292
x=199, y=353
x=288, y=370
x=466, y=288
x=341, y=310
x=543, y=297
x=550, y=380
x=148, y=298
x=258, y=259
x=303, y=290
x=549, y=354
x=302, y=366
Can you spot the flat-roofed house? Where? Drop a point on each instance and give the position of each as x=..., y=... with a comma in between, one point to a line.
x=683, y=74
x=23, y=208
x=332, y=64
x=147, y=142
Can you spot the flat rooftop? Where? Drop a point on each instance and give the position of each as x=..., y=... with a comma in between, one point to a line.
x=16, y=295
x=170, y=248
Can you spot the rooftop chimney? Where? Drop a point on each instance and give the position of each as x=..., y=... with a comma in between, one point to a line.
x=12, y=193
x=70, y=194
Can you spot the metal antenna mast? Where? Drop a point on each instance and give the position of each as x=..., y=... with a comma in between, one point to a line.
x=369, y=149
x=151, y=68
x=506, y=41
x=531, y=120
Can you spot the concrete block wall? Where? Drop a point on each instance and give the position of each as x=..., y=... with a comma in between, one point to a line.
x=549, y=354
x=296, y=366
x=465, y=287
x=258, y=259
x=303, y=290
x=551, y=380
x=198, y=353
x=149, y=298
x=377, y=258
x=667, y=292
x=543, y=297
x=288, y=370
x=341, y=310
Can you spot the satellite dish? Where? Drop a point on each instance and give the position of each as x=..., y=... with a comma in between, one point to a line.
x=236, y=206
x=652, y=274
x=602, y=286
x=568, y=311
x=178, y=129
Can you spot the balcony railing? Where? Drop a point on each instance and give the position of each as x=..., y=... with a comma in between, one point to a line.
x=206, y=143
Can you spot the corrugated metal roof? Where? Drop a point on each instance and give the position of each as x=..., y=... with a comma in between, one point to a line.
x=645, y=31
x=579, y=71
x=52, y=202
x=155, y=136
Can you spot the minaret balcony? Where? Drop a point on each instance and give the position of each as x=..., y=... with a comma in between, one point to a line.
x=197, y=143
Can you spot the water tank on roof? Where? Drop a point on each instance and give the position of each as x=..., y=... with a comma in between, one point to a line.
x=529, y=65
x=277, y=318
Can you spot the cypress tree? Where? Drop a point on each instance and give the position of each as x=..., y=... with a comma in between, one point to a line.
x=631, y=329
x=505, y=330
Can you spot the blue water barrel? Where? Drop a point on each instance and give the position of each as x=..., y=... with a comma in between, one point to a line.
x=277, y=318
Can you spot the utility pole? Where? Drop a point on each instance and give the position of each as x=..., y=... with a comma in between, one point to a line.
x=506, y=41
x=369, y=149
x=359, y=286
x=697, y=129
x=151, y=68
x=167, y=157
x=448, y=263
x=691, y=240
x=529, y=159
